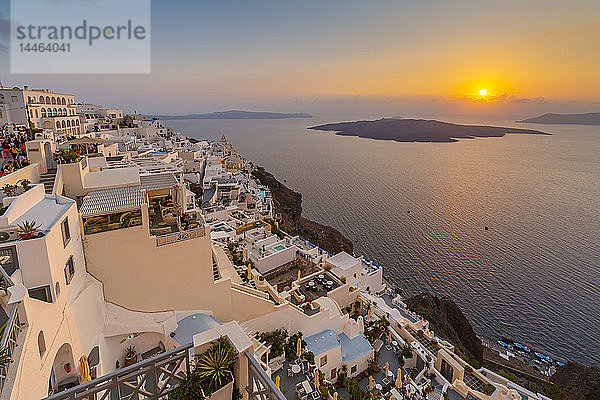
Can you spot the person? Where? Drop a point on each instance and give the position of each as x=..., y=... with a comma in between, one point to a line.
x=5, y=148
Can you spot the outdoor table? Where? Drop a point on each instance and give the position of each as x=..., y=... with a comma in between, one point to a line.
x=378, y=386
x=329, y=283
x=295, y=368
x=394, y=343
x=311, y=284
x=321, y=276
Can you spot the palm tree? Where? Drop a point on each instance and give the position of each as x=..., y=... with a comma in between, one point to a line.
x=5, y=358
x=216, y=365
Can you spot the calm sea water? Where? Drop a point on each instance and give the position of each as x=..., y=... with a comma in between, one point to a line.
x=533, y=276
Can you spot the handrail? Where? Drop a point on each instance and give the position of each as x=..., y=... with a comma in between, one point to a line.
x=151, y=372
x=9, y=341
x=269, y=389
x=180, y=236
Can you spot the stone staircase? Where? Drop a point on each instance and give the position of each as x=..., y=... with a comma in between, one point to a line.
x=48, y=180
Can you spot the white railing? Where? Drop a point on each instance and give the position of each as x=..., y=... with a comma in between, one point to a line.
x=180, y=236
x=10, y=333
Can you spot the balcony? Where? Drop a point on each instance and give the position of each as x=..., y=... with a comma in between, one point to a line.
x=180, y=236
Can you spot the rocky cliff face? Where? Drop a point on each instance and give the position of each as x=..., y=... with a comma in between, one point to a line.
x=580, y=382
x=448, y=322
x=288, y=204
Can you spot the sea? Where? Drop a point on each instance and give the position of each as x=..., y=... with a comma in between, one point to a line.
x=421, y=210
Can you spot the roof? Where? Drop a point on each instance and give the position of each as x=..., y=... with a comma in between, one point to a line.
x=355, y=348
x=321, y=342
x=158, y=181
x=105, y=201
x=85, y=140
x=343, y=260
x=193, y=324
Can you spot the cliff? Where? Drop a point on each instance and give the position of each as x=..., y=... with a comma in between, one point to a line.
x=580, y=382
x=288, y=204
x=448, y=322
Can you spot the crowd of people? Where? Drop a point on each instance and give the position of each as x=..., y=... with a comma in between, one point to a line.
x=14, y=155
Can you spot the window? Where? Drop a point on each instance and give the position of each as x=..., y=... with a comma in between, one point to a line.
x=41, y=293
x=66, y=233
x=353, y=369
x=323, y=360
x=69, y=270
x=333, y=373
x=13, y=98
x=41, y=343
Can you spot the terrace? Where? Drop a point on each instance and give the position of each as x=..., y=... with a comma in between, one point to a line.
x=317, y=285
x=292, y=378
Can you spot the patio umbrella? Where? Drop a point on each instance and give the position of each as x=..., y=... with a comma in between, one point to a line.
x=298, y=276
x=298, y=348
x=84, y=369
x=249, y=272
x=277, y=381
x=335, y=395
x=390, y=336
x=399, y=379
x=370, y=383
x=267, y=358
x=317, y=379
x=387, y=369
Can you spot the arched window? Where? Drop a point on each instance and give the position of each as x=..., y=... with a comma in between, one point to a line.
x=64, y=124
x=77, y=122
x=43, y=113
x=47, y=99
x=68, y=123
x=54, y=112
x=57, y=124
x=29, y=99
x=41, y=343
x=37, y=114
x=41, y=99
x=54, y=100
x=64, y=102
x=57, y=290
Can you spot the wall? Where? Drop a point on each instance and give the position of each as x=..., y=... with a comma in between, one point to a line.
x=30, y=172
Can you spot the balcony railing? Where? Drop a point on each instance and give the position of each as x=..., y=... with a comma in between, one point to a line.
x=151, y=379
x=180, y=236
x=10, y=335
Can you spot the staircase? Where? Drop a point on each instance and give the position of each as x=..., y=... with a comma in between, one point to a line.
x=48, y=180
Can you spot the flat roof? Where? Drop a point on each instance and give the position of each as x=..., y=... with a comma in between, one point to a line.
x=321, y=342
x=105, y=201
x=343, y=260
x=354, y=348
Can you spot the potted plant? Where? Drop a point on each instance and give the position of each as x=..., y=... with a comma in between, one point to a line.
x=27, y=229
x=25, y=184
x=130, y=356
x=9, y=190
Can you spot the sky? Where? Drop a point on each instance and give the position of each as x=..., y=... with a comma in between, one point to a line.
x=393, y=57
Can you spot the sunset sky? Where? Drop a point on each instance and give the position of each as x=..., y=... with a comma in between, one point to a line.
x=220, y=54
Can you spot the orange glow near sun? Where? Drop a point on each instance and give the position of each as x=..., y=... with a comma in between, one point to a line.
x=482, y=92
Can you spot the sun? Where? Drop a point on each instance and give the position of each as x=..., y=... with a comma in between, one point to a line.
x=482, y=92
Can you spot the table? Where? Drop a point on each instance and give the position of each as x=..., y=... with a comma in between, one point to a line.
x=378, y=386
x=295, y=368
x=330, y=283
x=311, y=284
x=321, y=276
x=394, y=343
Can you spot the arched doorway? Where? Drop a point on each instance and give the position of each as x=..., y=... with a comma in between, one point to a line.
x=48, y=155
x=64, y=372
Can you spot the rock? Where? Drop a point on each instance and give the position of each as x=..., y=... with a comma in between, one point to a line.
x=448, y=322
x=288, y=204
x=578, y=381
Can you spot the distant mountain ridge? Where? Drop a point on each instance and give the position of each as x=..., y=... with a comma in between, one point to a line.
x=575, y=119
x=234, y=114
x=418, y=130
